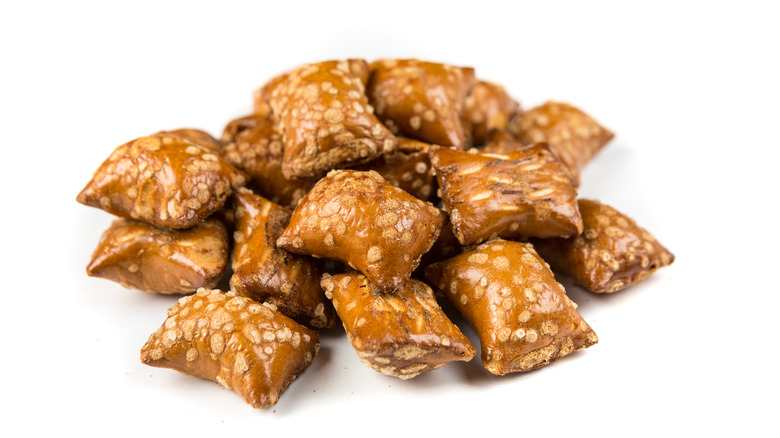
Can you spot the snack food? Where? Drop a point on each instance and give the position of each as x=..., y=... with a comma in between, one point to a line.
x=400, y=334
x=265, y=273
x=141, y=256
x=408, y=168
x=165, y=180
x=488, y=107
x=612, y=252
x=573, y=135
x=244, y=346
x=325, y=119
x=359, y=218
x=254, y=145
x=522, y=316
x=520, y=194
x=421, y=100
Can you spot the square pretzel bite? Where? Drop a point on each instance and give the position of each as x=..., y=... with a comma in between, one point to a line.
x=408, y=168
x=325, y=119
x=421, y=100
x=198, y=136
x=243, y=345
x=263, y=272
x=254, y=145
x=487, y=107
x=401, y=334
x=161, y=260
x=162, y=179
x=500, y=141
x=612, y=252
x=361, y=219
x=522, y=316
x=520, y=194
x=573, y=135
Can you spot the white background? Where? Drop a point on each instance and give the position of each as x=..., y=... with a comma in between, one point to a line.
x=690, y=89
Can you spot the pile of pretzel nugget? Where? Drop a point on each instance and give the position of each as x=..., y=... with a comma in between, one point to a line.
x=366, y=193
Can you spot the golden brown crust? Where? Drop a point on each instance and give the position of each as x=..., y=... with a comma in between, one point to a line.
x=500, y=141
x=487, y=107
x=421, y=100
x=408, y=168
x=242, y=345
x=520, y=194
x=263, y=272
x=522, y=316
x=359, y=218
x=400, y=334
x=323, y=114
x=254, y=145
x=573, y=135
x=164, y=180
x=159, y=260
x=197, y=136
x=612, y=252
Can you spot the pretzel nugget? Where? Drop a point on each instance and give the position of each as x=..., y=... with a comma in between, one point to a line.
x=325, y=119
x=244, y=346
x=499, y=141
x=160, y=260
x=254, y=145
x=487, y=107
x=573, y=135
x=165, y=180
x=263, y=272
x=197, y=136
x=361, y=219
x=520, y=194
x=400, y=334
x=522, y=316
x=407, y=168
x=421, y=100
x=612, y=252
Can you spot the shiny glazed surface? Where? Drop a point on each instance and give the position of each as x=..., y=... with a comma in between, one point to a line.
x=522, y=316
x=359, y=218
x=244, y=346
x=263, y=272
x=402, y=333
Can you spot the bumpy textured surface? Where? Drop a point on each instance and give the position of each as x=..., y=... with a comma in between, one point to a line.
x=254, y=145
x=421, y=100
x=522, y=316
x=521, y=194
x=165, y=180
x=263, y=272
x=408, y=168
x=141, y=256
x=573, y=135
x=400, y=334
x=359, y=218
x=326, y=122
x=500, y=141
x=612, y=252
x=243, y=345
x=487, y=107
